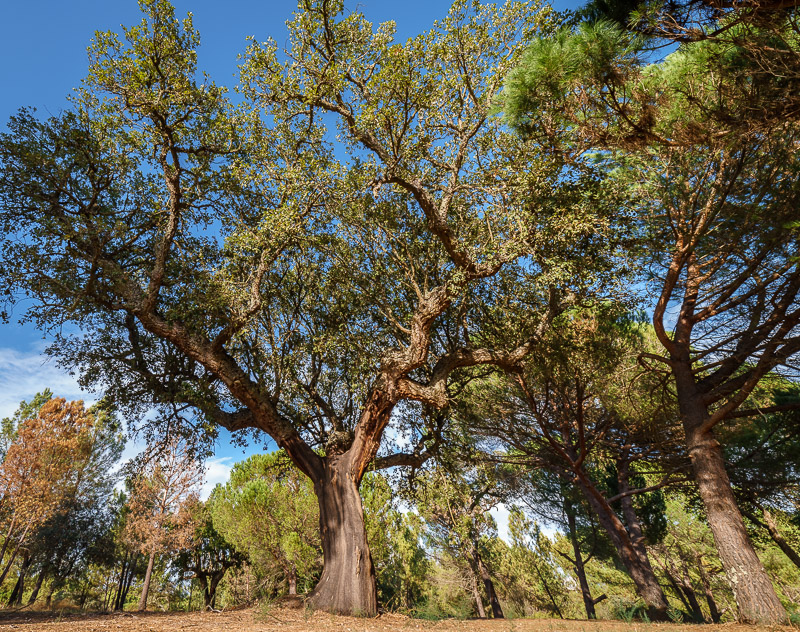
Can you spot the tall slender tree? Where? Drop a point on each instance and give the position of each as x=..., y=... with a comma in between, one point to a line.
x=163, y=494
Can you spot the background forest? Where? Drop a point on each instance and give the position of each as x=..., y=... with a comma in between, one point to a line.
x=537, y=261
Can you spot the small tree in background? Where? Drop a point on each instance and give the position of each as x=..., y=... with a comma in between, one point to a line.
x=161, y=502
x=268, y=511
x=456, y=509
x=209, y=555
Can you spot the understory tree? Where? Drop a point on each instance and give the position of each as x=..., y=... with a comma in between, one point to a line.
x=163, y=497
x=583, y=411
x=37, y=479
x=347, y=239
x=208, y=557
x=456, y=508
x=268, y=511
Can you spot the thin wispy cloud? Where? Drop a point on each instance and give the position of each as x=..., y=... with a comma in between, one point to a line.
x=25, y=373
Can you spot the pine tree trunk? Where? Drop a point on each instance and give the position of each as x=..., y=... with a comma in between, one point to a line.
x=37, y=587
x=776, y=536
x=128, y=580
x=713, y=611
x=476, y=595
x=755, y=596
x=640, y=570
x=676, y=588
x=691, y=597
x=146, y=585
x=347, y=585
x=120, y=585
x=632, y=521
x=488, y=584
x=577, y=563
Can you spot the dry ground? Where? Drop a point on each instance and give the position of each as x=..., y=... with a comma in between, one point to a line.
x=292, y=620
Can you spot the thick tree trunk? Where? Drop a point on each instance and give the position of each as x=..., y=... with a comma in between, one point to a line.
x=579, y=566
x=347, y=585
x=146, y=585
x=640, y=570
x=488, y=584
x=755, y=596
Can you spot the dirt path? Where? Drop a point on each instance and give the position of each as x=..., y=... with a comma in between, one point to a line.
x=289, y=620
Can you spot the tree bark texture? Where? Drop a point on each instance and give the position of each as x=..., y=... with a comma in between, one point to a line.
x=488, y=584
x=347, y=585
x=752, y=588
x=146, y=586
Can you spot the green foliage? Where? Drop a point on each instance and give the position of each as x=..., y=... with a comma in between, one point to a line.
x=530, y=576
x=395, y=542
x=268, y=511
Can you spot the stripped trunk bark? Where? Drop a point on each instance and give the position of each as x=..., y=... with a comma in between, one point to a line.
x=347, y=585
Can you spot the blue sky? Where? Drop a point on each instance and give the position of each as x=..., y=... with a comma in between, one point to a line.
x=43, y=51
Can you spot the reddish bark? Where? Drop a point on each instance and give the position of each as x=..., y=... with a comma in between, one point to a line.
x=347, y=585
